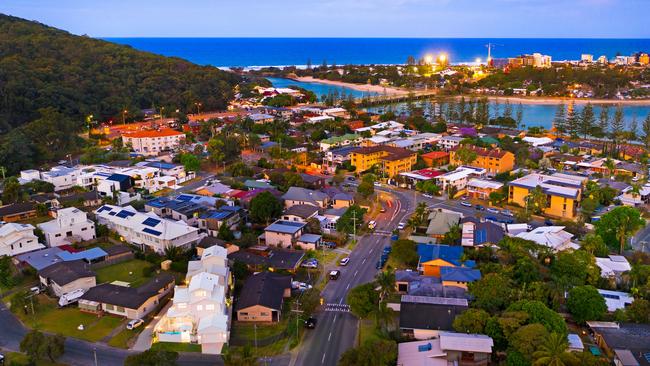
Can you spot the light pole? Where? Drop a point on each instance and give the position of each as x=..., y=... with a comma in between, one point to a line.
x=124, y=112
x=162, y=110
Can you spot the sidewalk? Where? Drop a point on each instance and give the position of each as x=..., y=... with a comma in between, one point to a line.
x=143, y=342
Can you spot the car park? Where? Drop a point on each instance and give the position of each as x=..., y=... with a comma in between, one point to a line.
x=311, y=323
x=134, y=324
x=492, y=210
x=401, y=226
x=335, y=274
x=344, y=261
x=466, y=204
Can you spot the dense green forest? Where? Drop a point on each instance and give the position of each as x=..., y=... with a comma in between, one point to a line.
x=50, y=80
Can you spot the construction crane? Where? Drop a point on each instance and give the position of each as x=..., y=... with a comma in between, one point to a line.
x=489, y=47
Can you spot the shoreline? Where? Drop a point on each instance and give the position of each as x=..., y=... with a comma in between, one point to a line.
x=392, y=90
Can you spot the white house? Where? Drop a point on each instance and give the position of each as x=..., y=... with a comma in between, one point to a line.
x=147, y=230
x=200, y=311
x=554, y=237
x=459, y=177
x=613, y=266
x=71, y=225
x=17, y=239
x=449, y=142
x=616, y=300
x=61, y=177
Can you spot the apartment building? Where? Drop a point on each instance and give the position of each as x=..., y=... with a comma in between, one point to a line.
x=391, y=160
x=152, y=142
x=494, y=161
x=563, y=192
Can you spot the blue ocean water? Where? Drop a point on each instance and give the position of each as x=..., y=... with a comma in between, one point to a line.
x=297, y=51
x=319, y=89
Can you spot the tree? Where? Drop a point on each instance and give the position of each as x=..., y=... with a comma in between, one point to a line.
x=573, y=121
x=587, y=120
x=351, y=217
x=386, y=283
x=363, y=300
x=618, y=125
x=12, y=192
x=491, y=293
x=366, y=189
x=559, y=121
x=645, y=129
x=378, y=352
x=616, y=226
x=215, y=150
x=528, y=339
x=585, y=303
x=190, y=162
x=265, y=207
x=465, y=155
x=603, y=121
x=538, y=312
x=471, y=321
x=405, y=251
x=634, y=129
x=152, y=357
x=38, y=346
x=519, y=114
x=554, y=352
x=225, y=233
x=536, y=200
x=594, y=245
x=453, y=236
x=638, y=311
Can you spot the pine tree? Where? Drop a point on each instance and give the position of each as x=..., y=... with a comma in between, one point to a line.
x=560, y=121
x=497, y=108
x=634, y=128
x=618, y=124
x=461, y=110
x=603, y=121
x=573, y=123
x=471, y=109
x=645, y=128
x=507, y=110
x=519, y=115
x=587, y=120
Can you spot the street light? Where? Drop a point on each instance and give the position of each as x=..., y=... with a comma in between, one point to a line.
x=124, y=112
x=428, y=59
x=478, y=61
x=443, y=58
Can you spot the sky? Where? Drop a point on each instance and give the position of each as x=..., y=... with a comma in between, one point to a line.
x=341, y=18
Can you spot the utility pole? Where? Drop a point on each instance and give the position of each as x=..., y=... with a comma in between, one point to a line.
x=354, y=226
x=95, y=355
x=298, y=312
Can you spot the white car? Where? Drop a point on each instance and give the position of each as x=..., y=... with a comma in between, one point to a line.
x=401, y=226
x=492, y=210
x=134, y=324
x=297, y=285
x=344, y=261
x=466, y=204
x=372, y=224
x=427, y=195
x=377, y=184
x=310, y=263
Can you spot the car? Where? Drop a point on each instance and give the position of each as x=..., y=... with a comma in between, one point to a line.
x=491, y=218
x=388, y=249
x=548, y=222
x=492, y=210
x=464, y=198
x=507, y=221
x=134, y=324
x=329, y=244
x=344, y=261
x=379, y=265
x=311, y=323
x=529, y=227
x=351, y=178
x=35, y=290
x=466, y=204
x=2, y=359
x=377, y=184
x=310, y=263
x=427, y=195
x=479, y=207
x=301, y=286
x=507, y=213
x=401, y=226
x=372, y=224
x=382, y=209
x=335, y=274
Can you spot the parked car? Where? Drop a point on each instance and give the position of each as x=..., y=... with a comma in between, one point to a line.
x=2, y=359
x=344, y=261
x=491, y=218
x=335, y=274
x=479, y=207
x=492, y=210
x=382, y=209
x=134, y=324
x=310, y=263
x=329, y=244
x=379, y=265
x=401, y=226
x=529, y=227
x=372, y=224
x=377, y=184
x=464, y=198
x=466, y=204
x=548, y=222
x=427, y=195
x=35, y=290
x=507, y=221
x=388, y=249
x=311, y=323
x=507, y=213
x=351, y=178
x=301, y=286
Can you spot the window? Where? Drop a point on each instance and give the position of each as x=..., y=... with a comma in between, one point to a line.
x=182, y=305
x=84, y=229
x=57, y=235
x=209, y=307
x=242, y=313
x=199, y=307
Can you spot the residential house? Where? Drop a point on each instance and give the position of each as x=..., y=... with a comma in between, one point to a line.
x=627, y=342
x=435, y=159
x=262, y=297
x=300, y=213
x=440, y=222
x=313, y=181
x=64, y=277
x=17, y=212
x=61, y=177
x=16, y=239
x=613, y=267
x=449, y=142
x=553, y=237
x=129, y=302
x=304, y=196
x=563, y=192
x=289, y=234
x=258, y=258
x=458, y=179
x=494, y=161
x=342, y=200
x=71, y=225
x=458, y=276
x=447, y=348
x=433, y=257
x=85, y=199
x=211, y=220
x=480, y=233
x=335, y=142
x=616, y=300
x=391, y=160
x=153, y=142
x=423, y=317
x=334, y=158
x=411, y=282
x=147, y=230
x=481, y=188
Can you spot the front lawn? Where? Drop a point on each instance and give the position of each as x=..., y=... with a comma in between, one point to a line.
x=247, y=330
x=21, y=359
x=176, y=347
x=124, y=338
x=48, y=317
x=131, y=271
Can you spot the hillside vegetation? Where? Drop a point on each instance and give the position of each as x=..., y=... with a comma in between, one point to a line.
x=50, y=80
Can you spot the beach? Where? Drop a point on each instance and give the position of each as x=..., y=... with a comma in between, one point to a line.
x=389, y=90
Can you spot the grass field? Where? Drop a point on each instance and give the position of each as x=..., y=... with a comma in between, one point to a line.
x=177, y=347
x=21, y=359
x=247, y=330
x=124, y=338
x=130, y=271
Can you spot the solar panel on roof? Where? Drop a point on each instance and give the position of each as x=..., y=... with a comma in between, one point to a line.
x=112, y=213
x=152, y=232
x=151, y=222
x=124, y=214
x=103, y=208
x=184, y=197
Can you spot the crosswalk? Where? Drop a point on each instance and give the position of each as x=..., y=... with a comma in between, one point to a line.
x=382, y=233
x=342, y=308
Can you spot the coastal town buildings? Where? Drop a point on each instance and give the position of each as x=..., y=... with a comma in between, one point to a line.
x=153, y=142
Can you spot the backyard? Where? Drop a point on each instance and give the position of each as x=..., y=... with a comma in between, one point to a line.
x=132, y=271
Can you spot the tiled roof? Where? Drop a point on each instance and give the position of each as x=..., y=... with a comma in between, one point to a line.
x=165, y=132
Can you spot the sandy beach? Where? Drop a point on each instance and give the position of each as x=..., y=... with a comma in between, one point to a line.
x=360, y=87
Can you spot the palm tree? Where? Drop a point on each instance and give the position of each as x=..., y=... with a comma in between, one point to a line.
x=554, y=352
x=386, y=283
x=635, y=190
x=383, y=316
x=610, y=165
x=419, y=217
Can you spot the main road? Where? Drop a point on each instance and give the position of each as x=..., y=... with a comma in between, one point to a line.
x=337, y=328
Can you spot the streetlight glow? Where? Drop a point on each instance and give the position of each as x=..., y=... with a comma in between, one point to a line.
x=478, y=60
x=428, y=58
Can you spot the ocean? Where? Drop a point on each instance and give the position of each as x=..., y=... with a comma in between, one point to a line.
x=250, y=52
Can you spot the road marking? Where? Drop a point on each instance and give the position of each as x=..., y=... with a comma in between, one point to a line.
x=334, y=321
x=347, y=287
x=341, y=301
x=329, y=337
x=370, y=252
x=337, y=308
x=323, y=359
x=355, y=273
x=364, y=261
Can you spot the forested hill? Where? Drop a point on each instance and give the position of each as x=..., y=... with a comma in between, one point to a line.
x=74, y=76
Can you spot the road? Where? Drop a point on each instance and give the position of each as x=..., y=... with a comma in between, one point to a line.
x=337, y=327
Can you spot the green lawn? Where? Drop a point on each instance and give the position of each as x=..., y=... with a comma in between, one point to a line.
x=21, y=359
x=130, y=271
x=247, y=330
x=177, y=347
x=367, y=331
x=66, y=320
x=123, y=338
x=327, y=256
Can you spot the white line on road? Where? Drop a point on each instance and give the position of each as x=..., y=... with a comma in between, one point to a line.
x=334, y=321
x=364, y=261
x=347, y=287
x=323, y=359
x=355, y=273
x=341, y=301
x=329, y=337
x=370, y=252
